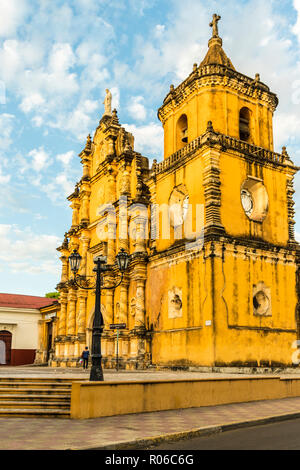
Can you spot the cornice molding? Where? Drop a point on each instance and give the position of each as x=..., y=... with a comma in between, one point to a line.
x=210, y=76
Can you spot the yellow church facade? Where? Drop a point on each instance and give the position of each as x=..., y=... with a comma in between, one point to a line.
x=213, y=272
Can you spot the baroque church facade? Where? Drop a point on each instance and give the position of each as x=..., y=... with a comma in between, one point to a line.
x=213, y=272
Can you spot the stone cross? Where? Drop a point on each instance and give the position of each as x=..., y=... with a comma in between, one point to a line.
x=214, y=25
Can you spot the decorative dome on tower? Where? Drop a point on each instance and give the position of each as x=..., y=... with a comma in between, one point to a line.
x=215, y=53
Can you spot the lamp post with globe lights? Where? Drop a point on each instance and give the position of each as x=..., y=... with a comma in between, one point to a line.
x=101, y=266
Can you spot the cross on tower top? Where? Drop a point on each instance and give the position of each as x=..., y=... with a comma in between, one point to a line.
x=214, y=25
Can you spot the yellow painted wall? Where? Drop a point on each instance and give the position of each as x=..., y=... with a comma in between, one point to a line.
x=234, y=171
x=96, y=399
x=222, y=107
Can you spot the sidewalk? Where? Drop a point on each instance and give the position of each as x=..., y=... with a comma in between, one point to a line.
x=139, y=430
x=131, y=375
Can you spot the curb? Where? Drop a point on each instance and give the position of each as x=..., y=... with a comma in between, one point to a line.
x=203, y=431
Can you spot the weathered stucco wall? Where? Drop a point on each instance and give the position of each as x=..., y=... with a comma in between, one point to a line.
x=95, y=399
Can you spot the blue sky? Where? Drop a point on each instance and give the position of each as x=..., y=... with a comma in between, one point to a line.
x=58, y=57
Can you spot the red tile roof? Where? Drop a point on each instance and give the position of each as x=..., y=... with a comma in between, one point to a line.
x=25, y=301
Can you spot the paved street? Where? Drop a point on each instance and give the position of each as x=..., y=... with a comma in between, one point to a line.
x=284, y=435
x=141, y=430
x=117, y=431
x=113, y=375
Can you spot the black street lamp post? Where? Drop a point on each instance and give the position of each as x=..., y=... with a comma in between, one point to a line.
x=82, y=282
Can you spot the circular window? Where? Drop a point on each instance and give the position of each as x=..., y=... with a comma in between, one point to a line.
x=254, y=199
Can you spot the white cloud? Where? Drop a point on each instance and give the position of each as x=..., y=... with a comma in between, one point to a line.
x=12, y=13
x=115, y=102
x=38, y=121
x=64, y=185
x=65, y=158
x=286, y=129
x=136, y=108
x=16, y=57
x=159, y=30
x=6, y=130
x=148, y=139
x=78, y=121
x=4, y=179
x=296, y=28
x=40, y=159
x=32, y=101
x=23, y=250
x=61, y=59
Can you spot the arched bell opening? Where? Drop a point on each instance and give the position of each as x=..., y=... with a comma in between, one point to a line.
x=181, y=132
x=244, y=124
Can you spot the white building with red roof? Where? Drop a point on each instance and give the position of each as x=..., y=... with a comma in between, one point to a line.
x=23, y=328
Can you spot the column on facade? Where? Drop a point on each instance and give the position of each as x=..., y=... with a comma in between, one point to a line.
x=110, y=145
x=71, y=330
x=86, y=168
x=140, y=303
x=75, y=214
x=111, y=237
x=141, y=223
x=212, y=191
x=41, y=351
x=65, y=268
x=109, y=306
x=85, y=207
x=81, y=297
x=84, y=253
x=123, y=224
x=63, y=299
x=124, y=301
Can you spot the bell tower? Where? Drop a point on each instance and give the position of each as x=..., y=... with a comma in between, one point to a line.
x=238, y=106
x=239, y=111
x=236, y=295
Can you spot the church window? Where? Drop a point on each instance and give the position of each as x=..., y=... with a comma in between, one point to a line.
x=244, y=124
x=182, y=131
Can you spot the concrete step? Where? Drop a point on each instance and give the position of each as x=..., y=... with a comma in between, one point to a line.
x=34, y=413
x=33, y=404
x=38, y=379
x=29, y=385
x=34, y=397
x=40, y=391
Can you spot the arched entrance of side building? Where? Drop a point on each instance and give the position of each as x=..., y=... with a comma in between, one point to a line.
x=5, y=347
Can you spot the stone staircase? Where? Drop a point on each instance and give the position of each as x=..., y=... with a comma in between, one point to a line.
x=35, y=397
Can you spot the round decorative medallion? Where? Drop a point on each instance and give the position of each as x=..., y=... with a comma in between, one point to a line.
x=261, y=303
x=178, y=205
x=247, y=201
x=254, y=199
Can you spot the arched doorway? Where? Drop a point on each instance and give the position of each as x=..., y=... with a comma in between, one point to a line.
x=5, y=347
x=2, y=352
x=49, y=340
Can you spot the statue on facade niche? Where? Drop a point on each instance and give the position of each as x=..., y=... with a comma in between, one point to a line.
x=214, y=25
x=107, y=103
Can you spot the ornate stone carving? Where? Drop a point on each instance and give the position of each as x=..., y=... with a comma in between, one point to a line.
x=175, y=303
x=254, y=199
x=262, y=300
x=107, y=103
x=291, y=211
